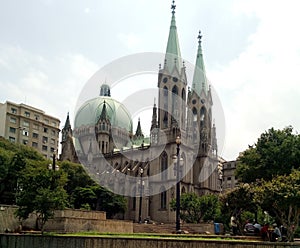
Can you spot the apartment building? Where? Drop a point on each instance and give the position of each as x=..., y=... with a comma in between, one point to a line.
x=30, y=126
x=229, y=179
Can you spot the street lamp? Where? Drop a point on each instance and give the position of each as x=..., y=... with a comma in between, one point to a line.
x=141, y=194
x=53, y=167
x=178, y=142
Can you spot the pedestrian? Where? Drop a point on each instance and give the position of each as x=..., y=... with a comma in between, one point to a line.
x=276, y=234
x=233, y=225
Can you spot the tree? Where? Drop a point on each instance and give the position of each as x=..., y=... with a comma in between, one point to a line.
x=236, y=202
x=281, y=197
x=83, y=192
x=40, y=192
x=109, y=202
x=194, y=208
x=13, y=158
x=276, y=152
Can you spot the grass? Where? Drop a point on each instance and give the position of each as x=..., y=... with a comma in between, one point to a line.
x=155, y=236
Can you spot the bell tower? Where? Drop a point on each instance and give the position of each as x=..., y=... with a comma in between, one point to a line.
x=172, y=84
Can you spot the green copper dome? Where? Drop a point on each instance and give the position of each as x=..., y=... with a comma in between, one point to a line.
x=90, y=111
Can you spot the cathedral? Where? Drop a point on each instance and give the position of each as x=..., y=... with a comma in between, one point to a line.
x=182, y=142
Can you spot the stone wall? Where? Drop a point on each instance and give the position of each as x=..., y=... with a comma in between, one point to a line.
x=66, y=221
x=34, y=241
x=8, y=221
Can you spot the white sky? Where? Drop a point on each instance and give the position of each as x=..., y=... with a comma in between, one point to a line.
x=49, y=49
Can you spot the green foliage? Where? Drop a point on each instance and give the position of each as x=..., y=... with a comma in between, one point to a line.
x=281, y=196
x=13, y=159
x=194, y=208
x=40, y=191
x=236, y=202
x=74, y=188
x=109, y=202
x=276, y=152
x=83, y=191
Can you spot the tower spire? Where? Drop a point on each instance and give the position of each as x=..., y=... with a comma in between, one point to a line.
x=67, y=124
x=138, y=132
x=173, y=50
x=154, y=117
x=103, y=115
x=199, y=79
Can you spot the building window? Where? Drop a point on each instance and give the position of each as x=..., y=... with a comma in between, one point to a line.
x=228, y=178
x=52, y=141
x=13, y=120
x=25, y=142
x=25, y=123
x=46, y=121
x=163, y=200
x=25, y=133
x=34, y=144
x=164, y=166
x=45, y=139
x=52, y=149
x=44, y=148
x=27, y=114
x=45, y=130
x=36, y=117
x=13, y=110
x=12, y=130
x=53, y=123
x=12, y=139
x=35, y=135
x=36, y=126
x=53, y=132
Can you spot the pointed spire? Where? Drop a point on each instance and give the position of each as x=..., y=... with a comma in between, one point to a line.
x=154, y=117
x=199, y=79
x=173, y=50
x=139, y=132
x=67, y=124
x=103, y=115
x=67, y=129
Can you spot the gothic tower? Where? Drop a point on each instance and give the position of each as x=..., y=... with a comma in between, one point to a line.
x=67, y=145
x=200, y=103
x=172, y=87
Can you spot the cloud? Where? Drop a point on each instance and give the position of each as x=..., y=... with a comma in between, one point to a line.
x=130, y=40
x=51, y=84
x=260, y=87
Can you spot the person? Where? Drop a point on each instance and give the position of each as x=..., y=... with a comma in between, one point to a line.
x=233, y=225
x=264, y=232
x=257, y=228
x=276, y=234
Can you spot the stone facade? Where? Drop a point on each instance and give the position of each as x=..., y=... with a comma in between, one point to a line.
x=131, y=165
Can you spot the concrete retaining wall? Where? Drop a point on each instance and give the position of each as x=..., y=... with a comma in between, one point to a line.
x=66, y=221
x=26, y=241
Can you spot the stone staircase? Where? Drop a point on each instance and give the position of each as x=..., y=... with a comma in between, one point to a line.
x=170, y=228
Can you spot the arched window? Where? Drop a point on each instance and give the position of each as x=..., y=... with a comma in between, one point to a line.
x=183, y=94
x=195, y=117
x=164, y=166
x=175, y=101
x=163, y=198
x=165, y=106
x=165, y=98
x=202, y=117
x=183, y=191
